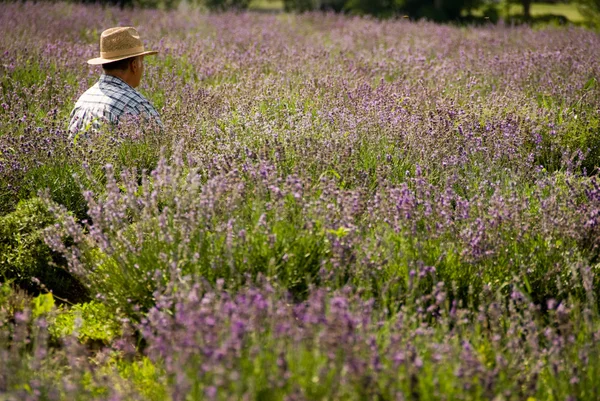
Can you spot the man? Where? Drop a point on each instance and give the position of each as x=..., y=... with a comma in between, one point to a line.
x=113, y=97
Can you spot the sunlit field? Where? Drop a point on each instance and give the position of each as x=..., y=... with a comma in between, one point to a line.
x=338, y=208
x=266, y=5
x=568, y=10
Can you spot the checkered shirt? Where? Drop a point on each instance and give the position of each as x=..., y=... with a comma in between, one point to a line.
x=109, y=100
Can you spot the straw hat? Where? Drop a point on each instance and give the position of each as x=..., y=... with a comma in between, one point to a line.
x=118, y=44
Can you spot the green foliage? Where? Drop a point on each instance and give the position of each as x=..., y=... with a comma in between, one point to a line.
x=434, y=10
x=544, y=13
x=526, y=5
x=152, y=4
x=280, y=249
x=91, y=321
x=24, y=256
x=490, y=11
x=42, y=305
x=446, y=10
x=540, y=263
x=12, y=300
x=58, y=179
x=124, y=149
x=27, y=75
x=147, y=377
x=580, y=124
x=223, y=5
x=160, y=4
x=137, y=155
x=377, y=7
x=300, y=5
x=333, y=5
x=22, y=246
x=6, y=292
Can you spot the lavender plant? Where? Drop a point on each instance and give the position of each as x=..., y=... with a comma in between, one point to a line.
x=343, y=208
x=257, y=344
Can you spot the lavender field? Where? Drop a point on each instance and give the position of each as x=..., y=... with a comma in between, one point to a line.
x=338, y=208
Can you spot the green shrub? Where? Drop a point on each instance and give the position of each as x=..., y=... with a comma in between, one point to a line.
x=61, y=184
x=12, y=300
x=491, y=12
x=90, y=322
x=437, y=11
x=222, y=5
x=377, y=7
x=300, y=5
x=141, y=241
x=147, y=378
x=126, y=279
x=591, y=10
x=572, y=131
x=24, y=256
x=333, y=5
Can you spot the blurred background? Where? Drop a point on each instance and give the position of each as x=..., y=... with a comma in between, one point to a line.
x=578, y=12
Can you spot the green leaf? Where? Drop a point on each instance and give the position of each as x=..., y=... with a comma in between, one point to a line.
x=590, y=84
x=42, y=304
x=340, y=232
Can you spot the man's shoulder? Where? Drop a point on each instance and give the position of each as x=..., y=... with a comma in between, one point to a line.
x=101, y=93
x=138, y=99
x=137, y=96
x=91, y=94
x=122, y=91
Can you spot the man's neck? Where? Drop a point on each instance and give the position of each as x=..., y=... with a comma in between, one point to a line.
x=117, y=74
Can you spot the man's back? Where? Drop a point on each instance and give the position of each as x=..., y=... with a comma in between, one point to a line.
x=109, y=100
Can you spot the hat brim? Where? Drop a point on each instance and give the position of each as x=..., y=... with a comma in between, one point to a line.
x=100, y=60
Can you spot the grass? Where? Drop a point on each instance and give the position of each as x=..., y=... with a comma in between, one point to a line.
x=266, y=5
x=568, y=10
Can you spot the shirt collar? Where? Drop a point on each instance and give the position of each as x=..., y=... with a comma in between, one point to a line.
x=111, y=79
